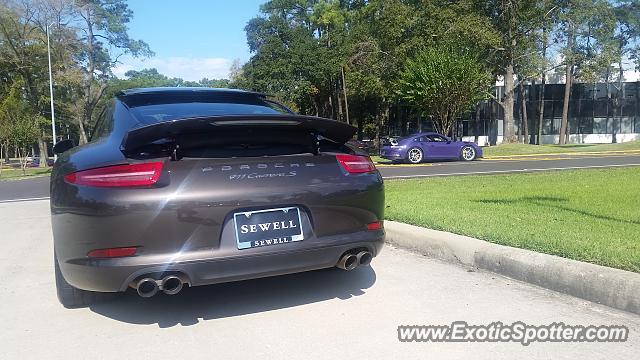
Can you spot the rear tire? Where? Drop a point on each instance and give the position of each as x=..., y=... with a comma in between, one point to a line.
x=69, y=296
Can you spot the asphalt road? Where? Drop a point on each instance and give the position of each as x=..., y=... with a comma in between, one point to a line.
x=509, y=165
x=316, y=315
x=38, y=188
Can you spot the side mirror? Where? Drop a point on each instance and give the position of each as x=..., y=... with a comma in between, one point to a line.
x=63, y=146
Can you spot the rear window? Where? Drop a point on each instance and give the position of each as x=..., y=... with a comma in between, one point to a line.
x=154, y=108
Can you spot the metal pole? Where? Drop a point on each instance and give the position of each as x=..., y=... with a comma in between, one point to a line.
x=53, y=114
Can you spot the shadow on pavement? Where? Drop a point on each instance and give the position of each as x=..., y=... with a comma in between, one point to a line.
x=238, y=298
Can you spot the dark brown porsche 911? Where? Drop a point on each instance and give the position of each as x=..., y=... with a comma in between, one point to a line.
x=196, y=186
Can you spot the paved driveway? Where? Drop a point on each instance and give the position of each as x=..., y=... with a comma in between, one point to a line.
x=317, y=315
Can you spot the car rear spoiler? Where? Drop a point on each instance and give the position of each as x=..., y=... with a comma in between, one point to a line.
x=168, y=132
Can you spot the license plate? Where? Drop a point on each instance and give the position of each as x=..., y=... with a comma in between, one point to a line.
x=267, y=227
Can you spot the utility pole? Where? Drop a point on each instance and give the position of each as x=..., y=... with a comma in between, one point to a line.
x=53, y=115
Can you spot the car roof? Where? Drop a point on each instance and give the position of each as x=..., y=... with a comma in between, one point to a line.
x=185, y=90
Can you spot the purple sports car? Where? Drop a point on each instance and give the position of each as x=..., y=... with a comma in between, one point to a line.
x=428, y=145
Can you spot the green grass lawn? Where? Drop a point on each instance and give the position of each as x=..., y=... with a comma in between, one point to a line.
x=15, y=174
x=522, y=149
x=587, y=215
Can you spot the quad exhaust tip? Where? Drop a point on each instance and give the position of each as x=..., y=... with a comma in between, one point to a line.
x=348, y=262
x=351, y=261
x=364, y=258
x=171, y=285
x=147, y=287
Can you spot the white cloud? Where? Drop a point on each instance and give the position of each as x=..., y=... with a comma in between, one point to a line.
x=183, y=67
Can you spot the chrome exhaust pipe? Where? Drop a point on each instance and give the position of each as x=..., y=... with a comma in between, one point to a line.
x=147, y=287
x=171, y=285
x=348, y=262
x=364, y=258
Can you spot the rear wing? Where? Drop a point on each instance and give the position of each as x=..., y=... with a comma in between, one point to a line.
x=169, y=133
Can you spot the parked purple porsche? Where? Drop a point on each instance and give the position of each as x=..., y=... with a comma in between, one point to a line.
x=429, y=146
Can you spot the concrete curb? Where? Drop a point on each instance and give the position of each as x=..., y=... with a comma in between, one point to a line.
x=612, y=287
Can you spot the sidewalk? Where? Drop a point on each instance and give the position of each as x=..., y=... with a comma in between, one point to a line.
x=612, y=287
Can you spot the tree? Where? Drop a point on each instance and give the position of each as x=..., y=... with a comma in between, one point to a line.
x=627, y=35
x=443, y=83
x=18, y=124
x=24, y=51
x=101, y=24
x=517, y=22
x=587, y=28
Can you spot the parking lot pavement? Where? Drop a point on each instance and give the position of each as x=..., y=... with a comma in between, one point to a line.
x=321, y=314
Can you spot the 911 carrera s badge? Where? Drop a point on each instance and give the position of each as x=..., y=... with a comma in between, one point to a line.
x=267, y=227
x=279, y=166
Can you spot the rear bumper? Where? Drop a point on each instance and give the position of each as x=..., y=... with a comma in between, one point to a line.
x=113, y=275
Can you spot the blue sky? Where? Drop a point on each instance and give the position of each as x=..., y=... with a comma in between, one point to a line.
x=192, y=39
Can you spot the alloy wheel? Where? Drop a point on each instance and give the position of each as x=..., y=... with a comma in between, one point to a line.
x=468, y=153
x=415, y=156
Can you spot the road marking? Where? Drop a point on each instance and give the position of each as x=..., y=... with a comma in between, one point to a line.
x=25, y=199
x=558, y=158
x=506, y=171
x=576, y=156
x=577, y=153
x=406, y=165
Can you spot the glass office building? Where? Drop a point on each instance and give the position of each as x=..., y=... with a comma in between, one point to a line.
x=596, y=114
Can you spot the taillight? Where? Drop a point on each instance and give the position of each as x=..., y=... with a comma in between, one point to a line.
x=376, y=225
x=356, y=164
x=113, y=252
x=143, y=174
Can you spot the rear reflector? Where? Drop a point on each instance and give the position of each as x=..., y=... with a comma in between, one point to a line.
x=377, y=225
x=356, y=164
x=112, y=253
x=143, y=174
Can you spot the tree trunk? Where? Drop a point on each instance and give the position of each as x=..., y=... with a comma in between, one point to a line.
x=339, y=101
x=476, y=126
x=541, y=109
x=520, y=141
x=524, y=123
x=1, y=159
x=567, y=89
x=621, y=97
x=332, y=113
x=83, y=134
x=543, y=75
x=508, y=134
x=344, y=91
x=42, y=147
x=493, y=136
x=609, y=100
x=6, y=154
